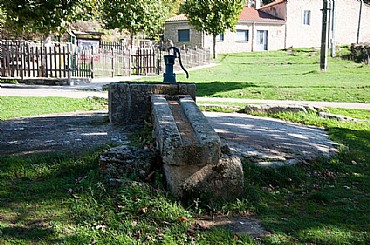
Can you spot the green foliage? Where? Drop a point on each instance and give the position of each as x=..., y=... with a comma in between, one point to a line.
x=213, y=16
x=173, y=6
x=135, y=16
x=31, y=106
x=44, y=16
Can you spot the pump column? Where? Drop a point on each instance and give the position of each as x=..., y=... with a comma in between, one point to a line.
x=169, y=76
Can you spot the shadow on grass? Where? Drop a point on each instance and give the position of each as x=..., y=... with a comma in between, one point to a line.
x=323, y=202
x=27, y=233
x=36, y=194
x=212, y=88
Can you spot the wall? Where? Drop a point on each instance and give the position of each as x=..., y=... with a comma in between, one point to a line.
x=129, y=103
x=298, y=34
x=171, y=32
x=231, y=45
x=346, y=21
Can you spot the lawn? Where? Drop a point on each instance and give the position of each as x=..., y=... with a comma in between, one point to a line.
x=282, y=75
x=11, y=107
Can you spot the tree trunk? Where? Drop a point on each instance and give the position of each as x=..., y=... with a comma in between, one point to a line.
x=214, y=45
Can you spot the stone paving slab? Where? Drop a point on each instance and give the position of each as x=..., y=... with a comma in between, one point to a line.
x=271, y=141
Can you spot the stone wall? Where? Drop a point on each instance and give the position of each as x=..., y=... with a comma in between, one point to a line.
x=171, y=32
x=129, y=103
x=361, y=52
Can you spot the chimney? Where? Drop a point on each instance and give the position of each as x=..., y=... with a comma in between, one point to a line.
x=257, y=4
x=253, y=4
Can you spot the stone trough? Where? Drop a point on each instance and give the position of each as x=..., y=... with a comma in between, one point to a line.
x=193, y=160
x=191, y=151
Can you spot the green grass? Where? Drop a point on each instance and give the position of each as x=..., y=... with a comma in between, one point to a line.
x=359, y=114
x=323, y=202
x=282, y=75
x=31, y=106
x=12, y=81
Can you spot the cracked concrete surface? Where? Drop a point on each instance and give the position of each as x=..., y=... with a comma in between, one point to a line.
x=271, y=141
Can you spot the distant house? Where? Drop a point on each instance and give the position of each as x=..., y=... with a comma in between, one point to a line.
x=278, y=25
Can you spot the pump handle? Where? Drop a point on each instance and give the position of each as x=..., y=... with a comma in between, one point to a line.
x=175, y=52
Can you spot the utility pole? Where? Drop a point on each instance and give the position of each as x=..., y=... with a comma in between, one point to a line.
x=359, y=21
x=332, y=32
x=324, y=37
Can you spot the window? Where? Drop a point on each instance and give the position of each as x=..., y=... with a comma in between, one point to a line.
x=184, y=35
x=306, y=17
x=220, y=37
x=242, y=35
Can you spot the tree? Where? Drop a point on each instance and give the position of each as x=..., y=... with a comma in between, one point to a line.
x=213, y=17
x=44, y=16
x=173, y=6
x=135, y=16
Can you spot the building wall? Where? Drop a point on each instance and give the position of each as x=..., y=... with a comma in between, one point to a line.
x=346, y=22
x=232, y=45
x=171, y=32
x=300, y=35
x=293, y=34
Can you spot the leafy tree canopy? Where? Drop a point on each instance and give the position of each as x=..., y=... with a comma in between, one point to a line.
x=213, y=16
x=44, y=16
x=136, y=16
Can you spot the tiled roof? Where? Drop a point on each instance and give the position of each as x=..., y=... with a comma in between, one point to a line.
x=180, y=17
x=251, y=14
x=273, y=3
x=247, y=14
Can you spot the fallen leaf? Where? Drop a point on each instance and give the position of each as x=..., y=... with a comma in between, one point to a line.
x=100, y=227
x=182, y=219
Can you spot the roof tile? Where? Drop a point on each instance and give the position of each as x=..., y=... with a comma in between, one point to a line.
x=247, y=14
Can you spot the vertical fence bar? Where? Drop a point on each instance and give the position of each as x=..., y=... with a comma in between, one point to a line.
x=92, y=63
x=112, y=62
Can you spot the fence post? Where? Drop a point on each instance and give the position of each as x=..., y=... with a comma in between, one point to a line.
x=129, y=62
x=112, y=61
x=69, y=71
x=92, y=62
x=23, y=61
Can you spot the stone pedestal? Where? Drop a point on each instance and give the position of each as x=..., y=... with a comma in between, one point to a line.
x=129, y=102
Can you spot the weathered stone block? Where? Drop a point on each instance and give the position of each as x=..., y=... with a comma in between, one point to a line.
x=173, y=148
x=127, y=161
x=265, y=108
x=224, y=180
x=129, y=102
